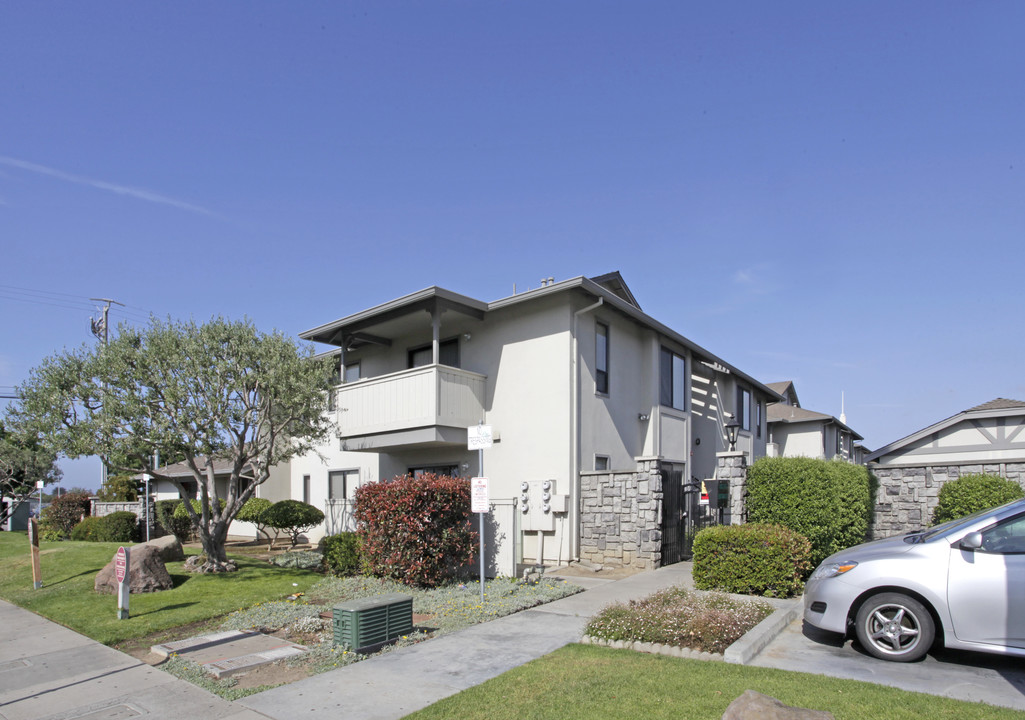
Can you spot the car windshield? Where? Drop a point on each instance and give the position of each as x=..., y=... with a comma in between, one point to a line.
x=930, y=533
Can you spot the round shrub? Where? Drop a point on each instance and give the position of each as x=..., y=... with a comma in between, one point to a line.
x=181, y=528
x=253, y=512
x=971, y=493
x=294, y=517
x=828, y=502
x=753, y=559
x=90, y=529
x=121, y=526
x=342, y=555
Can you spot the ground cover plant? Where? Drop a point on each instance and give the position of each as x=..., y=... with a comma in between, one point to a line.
x=441, y=610
x=709, y=622
x=583, y=682
x=69, y=569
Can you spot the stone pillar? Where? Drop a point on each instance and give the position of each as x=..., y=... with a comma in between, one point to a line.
x=731, y=467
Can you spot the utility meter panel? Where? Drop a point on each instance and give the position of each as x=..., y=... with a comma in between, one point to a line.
x=538, y=505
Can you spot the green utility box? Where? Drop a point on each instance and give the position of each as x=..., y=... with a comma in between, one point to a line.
x=372, y=621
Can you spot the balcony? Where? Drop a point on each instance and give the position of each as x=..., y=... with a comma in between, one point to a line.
x=426, y=406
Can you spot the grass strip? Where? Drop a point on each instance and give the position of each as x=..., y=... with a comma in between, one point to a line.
x=583, y=682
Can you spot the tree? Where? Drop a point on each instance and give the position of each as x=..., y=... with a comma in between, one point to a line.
x=23, y=462
x=120, y=488
x=195, y=393
x=293, y=516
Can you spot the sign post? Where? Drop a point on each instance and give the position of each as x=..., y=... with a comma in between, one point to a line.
x=121, y=560
x=33, y=539
x=479, y=438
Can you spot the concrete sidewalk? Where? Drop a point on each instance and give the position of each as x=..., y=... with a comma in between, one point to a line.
x=48, y=672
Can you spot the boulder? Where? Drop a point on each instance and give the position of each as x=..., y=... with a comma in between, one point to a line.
x=756, y=706
x=146, y=572
x=169, y=547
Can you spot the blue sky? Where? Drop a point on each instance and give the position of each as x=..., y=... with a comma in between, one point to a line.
x=832, y=193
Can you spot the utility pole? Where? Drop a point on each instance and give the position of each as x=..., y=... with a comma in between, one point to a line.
x=101, y=329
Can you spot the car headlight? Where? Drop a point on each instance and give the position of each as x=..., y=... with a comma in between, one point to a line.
x=832, y=570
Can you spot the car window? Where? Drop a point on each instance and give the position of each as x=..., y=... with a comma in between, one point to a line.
x=1006, y=537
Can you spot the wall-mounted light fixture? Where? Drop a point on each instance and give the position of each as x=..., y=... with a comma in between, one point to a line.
x=642, y=417
x=467, y=336
x=731, y=433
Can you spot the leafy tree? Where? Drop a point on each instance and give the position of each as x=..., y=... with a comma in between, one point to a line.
x=23, y=462
x=65, y=512
x=120, y=488
x=293, y=516
x=195, y=393
x=253, y=512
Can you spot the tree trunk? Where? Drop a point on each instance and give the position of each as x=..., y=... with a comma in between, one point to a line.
x=213, y=539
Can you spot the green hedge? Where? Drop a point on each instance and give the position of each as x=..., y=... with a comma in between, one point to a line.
x=752, y=559
x=828, y=502
x=294, y=517
x=122, y=526
x=971, y=493
x=342, y=554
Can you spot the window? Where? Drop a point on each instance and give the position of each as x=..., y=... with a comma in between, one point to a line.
x=450, y=470
x=744, y=408
x=601, y=358
x=758, y=419
x=351, y=372
x=342, y=484
x=672, y=381
x=448, y=354
x=1006, y=538
x=332, y=403
x=601, y=462
x=306, y=489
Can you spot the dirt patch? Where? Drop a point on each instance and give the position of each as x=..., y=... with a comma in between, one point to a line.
x=277, y=673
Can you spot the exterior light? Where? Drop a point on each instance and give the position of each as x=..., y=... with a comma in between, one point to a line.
x=731, y=433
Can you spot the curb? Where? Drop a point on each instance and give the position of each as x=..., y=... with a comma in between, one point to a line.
x=757, y=638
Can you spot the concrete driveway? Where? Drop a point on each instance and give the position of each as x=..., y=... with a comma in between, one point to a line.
x=994, y=679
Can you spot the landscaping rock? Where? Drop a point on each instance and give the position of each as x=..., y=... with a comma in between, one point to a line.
x=199, y=564
x=756, y=706
x=169, y=547
x=146, y=573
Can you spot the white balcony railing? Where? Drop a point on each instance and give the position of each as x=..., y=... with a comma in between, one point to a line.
x=426, y=396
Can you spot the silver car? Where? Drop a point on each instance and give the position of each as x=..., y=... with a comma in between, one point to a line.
x=962, y=583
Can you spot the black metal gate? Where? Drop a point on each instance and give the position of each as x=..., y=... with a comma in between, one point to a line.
x=687, y=508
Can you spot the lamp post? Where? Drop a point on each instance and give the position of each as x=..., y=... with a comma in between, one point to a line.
x=731, y=433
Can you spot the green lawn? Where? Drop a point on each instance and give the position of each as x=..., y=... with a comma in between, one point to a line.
x=586, y=682
x=67, y=596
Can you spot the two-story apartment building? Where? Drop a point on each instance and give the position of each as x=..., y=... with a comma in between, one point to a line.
x=601, y=415
x=795, y=431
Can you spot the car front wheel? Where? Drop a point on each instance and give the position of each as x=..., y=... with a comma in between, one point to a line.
x=895, y=627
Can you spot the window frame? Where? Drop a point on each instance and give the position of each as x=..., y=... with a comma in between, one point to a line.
x=443, y=345
x=600, y=459
x=667, y=359
x=601, y=359
x=350, y=366
x=744, y=408
x=345, y=473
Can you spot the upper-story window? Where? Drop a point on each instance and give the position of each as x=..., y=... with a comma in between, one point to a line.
x=448, y=354
x=758, y=418
x=351, y=372
x=744, y=408
x=672, y=380
x=601, y=358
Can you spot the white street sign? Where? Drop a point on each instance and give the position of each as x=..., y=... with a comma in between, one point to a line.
x=478, y=437
x=479, y=502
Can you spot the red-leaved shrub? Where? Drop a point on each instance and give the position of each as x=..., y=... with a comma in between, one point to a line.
x=416, y=530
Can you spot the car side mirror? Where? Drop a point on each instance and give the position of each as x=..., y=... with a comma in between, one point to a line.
x=971, y=541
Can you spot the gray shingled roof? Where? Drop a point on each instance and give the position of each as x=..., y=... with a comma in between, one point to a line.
x=998, y=404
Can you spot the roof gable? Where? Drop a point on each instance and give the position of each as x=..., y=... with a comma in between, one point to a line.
x=614, y=283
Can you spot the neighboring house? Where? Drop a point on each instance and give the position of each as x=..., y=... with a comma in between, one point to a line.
x=582, y=389
x=988, y=438
x=796, y=432
x=274, y=488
